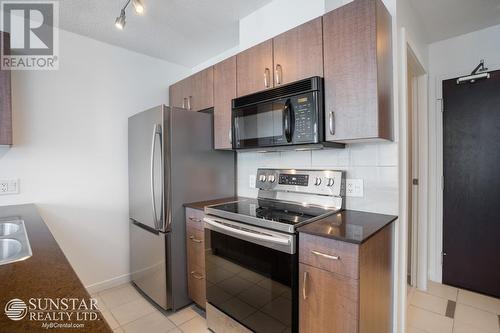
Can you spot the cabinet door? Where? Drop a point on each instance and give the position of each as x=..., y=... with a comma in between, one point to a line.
x=298, y=53
x=5, y=99
x=328, y=302
x=200, y=90
x=358, y=73
x=255, y=68
x=177, y=94
x=224, y=92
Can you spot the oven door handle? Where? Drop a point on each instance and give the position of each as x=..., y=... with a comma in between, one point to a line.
x=254, y=235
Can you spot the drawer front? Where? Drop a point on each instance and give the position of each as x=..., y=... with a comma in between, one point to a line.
x=195, y=247
x=196, y=285
x=194, y=218
x=329, y=254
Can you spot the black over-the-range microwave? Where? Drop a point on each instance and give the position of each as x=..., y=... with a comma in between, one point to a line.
x=289, y=115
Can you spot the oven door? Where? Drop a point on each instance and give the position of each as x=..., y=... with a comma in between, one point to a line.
x=252, y=275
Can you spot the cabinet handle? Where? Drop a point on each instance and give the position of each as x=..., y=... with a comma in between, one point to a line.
x=189, y=102
x=194, y=219
x=332, y=122
x=327, y=256
x=267, y=77
x=279, y=74
x=196, y=276
x=194, y=239
x=230, y=137
x=184, y=102
x=304, y=283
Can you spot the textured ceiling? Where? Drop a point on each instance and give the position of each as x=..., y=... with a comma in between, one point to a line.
x=444, y=19
x=186, y=32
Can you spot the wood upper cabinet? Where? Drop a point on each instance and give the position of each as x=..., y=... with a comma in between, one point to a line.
x=5, y=99
x=358, y=72
x=224, y=92
x=255, y=69
x=328, y=302
x=298, y=53
x=195, y=92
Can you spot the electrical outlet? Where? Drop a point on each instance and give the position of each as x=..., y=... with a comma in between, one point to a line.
x=354, y=188
x=251, y=181
x=9, y=186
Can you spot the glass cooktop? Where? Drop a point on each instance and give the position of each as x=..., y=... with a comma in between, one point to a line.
x=288, y=213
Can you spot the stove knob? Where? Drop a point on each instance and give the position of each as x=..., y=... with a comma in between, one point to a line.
x=318, y=181
x=272, y=178
x=262, y=178
x=331, y=182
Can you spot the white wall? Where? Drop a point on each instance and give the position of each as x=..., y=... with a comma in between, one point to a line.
x=70, y=147
x=448, y=59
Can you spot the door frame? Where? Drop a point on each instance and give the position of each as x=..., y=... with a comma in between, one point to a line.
x=437, y=171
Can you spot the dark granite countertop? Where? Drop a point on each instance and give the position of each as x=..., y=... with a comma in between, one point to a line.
x=46, y=274
x=348, y=226
x=202, y=204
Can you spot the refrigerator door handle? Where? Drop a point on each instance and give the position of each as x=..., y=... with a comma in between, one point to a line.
x=156, y=131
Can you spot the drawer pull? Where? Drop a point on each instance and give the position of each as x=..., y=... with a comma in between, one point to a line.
x=327, y=256
x=304, y=283
x=194, y=219
x=195, y=240
x=196, y=276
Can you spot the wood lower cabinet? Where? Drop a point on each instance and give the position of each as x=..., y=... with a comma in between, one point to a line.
x=195, y=248
x=345, y=287
x=298, y=53
x=224, y=92
x=195, y=92
x=358, y=72
x=255, y=69
x=5, y=99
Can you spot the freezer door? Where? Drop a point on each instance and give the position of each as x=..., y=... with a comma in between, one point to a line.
x=145, y=168
x=148, y=263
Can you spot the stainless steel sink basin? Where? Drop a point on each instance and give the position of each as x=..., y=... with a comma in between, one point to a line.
x=7, y=228
x=9, y=248
x=14, y=242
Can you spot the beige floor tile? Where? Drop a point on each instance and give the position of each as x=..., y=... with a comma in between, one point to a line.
x=119, y=295
x=182, y=316
x=118, y=330
x=429, y=302
x=196, y=325
x=480, y=319
x=442, y=290
x=131, y=311
x=415, y=330
x=429, y=321
x=155, y=322
x=479, y=301
x=110, y=319
x=175, y=330
x=465, y=328
x=100, y=303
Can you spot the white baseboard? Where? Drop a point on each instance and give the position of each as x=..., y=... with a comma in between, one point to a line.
x=106, y=284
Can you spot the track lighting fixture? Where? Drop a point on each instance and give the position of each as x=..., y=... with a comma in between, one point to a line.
x=121, y=21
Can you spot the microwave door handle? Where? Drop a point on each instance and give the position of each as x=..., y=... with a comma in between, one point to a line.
x=287, y=116
x=248, y=234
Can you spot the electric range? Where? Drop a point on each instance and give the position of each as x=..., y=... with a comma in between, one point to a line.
x=251, y=247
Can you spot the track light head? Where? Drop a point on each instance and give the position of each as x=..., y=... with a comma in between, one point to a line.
x=120, y=20
x=138, y=6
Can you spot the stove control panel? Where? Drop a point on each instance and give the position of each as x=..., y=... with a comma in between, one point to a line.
x=323, y=182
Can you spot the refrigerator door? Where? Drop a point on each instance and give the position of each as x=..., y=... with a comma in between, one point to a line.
x=148, y=263
x=145, y=166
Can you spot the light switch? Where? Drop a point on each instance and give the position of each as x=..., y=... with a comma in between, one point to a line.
x=9, y=186
x=251, y=181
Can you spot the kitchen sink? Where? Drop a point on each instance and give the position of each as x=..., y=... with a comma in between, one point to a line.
x=14, y=242
x=7, y=228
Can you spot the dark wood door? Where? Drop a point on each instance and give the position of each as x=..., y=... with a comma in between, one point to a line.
x=255, y=68
x=298, y=53
x=471, y=198
x=5, y=99
x=224, y=92
x=328, y=302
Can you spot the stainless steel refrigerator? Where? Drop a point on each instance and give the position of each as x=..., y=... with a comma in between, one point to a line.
x=171, y=162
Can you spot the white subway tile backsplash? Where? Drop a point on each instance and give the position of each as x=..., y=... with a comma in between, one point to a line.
x=375, y=163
